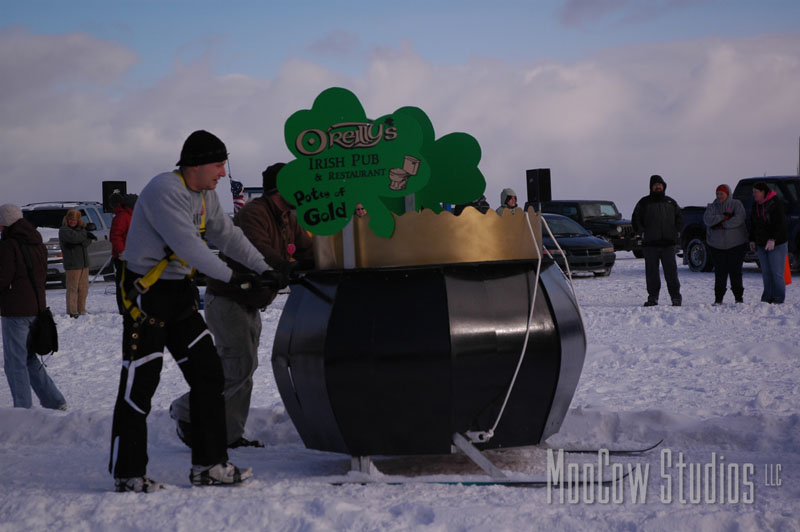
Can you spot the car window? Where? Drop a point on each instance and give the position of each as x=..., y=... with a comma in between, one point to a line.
x=564, y=226
x=93, y=217
x=744, y=193
x=107, y=218
x=608, y=209
x=45, y=217
x=590, y=210
x=791, y=193
x=569, y=210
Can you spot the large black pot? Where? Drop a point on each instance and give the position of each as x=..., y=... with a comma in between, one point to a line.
x=394, y=361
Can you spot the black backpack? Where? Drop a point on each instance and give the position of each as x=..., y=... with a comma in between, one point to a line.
x=43, y=334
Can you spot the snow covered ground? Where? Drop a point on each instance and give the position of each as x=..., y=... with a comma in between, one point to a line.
x=721, y=385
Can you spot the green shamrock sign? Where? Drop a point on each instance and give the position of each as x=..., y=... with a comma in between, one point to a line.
x=344, y=158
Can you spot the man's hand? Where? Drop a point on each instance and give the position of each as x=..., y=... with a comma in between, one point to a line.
x=770, y=245
x=752, y=246
x=280, y=275
x=245, y=280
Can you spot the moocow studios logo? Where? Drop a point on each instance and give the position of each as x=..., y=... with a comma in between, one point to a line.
x=714, y=481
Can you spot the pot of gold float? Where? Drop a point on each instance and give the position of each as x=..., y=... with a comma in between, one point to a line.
x=422, y=338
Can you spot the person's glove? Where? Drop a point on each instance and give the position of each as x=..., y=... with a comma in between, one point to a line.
x=279, y=276
x=90, y=236
x=770, y=245
x=752, y=246
x=245, y=280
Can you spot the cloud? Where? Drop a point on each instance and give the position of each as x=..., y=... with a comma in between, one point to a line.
x=337, y=43
x=699, y=113
x=577, y=13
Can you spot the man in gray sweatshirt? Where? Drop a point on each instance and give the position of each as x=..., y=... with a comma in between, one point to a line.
x=176, y=212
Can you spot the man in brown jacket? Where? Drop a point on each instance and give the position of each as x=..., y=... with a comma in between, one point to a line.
x=232, y=314
x=21, y=297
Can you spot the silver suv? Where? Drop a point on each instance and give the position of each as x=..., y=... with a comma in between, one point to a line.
x=48, y=218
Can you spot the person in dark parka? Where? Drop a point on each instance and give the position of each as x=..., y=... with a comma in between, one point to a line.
x=657, y=218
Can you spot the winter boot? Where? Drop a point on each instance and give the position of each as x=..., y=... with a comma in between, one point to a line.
x=650, y=303
x=136, y=484
x=244, y=442
x=219, y=475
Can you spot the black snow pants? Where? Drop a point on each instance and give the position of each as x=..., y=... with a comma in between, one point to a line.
x=173, y=322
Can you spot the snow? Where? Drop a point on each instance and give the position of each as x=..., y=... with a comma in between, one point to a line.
x=721, y=385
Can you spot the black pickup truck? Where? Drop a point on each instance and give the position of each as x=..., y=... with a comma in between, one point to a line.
x=601, y=218
x=693, y=237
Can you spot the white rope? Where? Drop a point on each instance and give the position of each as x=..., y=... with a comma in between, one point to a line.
x=484, y=436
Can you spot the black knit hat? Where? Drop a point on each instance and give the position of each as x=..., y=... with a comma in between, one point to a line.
x=270, y=176
x=201, y=147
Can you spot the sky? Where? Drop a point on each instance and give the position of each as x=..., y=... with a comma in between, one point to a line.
x=604, y=93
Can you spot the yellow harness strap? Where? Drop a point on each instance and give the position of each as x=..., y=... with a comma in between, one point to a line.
x=143, y=283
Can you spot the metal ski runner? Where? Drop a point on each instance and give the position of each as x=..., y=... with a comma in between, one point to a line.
x=534, y=482
x=612, y=452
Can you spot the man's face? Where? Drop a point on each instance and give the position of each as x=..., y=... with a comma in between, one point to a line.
x=658, y=187
x=205, y=176
x=511, y=201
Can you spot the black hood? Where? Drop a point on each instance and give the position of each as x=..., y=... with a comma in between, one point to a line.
x=657, y=179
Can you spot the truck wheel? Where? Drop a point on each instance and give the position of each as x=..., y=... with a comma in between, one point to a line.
x=699, y=256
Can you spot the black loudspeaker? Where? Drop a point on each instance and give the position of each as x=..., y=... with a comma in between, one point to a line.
x=110, y=188
x=538, y=185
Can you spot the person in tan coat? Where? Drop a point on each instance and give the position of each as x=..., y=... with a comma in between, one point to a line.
x=75, y=240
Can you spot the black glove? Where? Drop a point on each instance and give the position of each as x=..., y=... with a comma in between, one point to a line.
x=280, y=275
x=90, y=236
x=245, y=280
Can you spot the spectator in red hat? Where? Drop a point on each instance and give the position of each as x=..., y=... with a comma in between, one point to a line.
x=726, y=236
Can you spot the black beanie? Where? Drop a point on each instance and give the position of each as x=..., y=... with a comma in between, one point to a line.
x=201, y=147
x=657, y=179
x=270, y=176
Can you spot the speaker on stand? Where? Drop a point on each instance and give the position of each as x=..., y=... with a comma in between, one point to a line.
x=539, y=191
x=117, y=189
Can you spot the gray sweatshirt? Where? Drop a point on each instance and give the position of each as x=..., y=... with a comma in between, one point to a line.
x=722, y=233
x=168, y=214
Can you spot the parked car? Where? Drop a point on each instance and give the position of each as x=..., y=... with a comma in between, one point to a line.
x=585, y=252
x=693, y=236
x=48, y=218
x=601, y=218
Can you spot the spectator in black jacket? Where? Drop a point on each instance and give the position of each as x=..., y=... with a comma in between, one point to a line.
x=657, y=218
x=768, y=238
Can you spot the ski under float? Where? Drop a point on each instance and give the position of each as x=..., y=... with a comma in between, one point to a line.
x=421, y=332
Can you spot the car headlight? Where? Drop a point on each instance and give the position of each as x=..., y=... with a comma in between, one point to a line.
x=619, y=229
x=607, y=250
